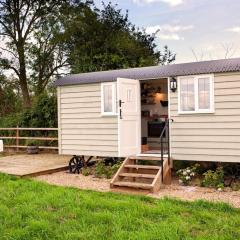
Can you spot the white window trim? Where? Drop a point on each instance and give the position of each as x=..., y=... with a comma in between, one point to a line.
x=197, y=110
x=114, y=98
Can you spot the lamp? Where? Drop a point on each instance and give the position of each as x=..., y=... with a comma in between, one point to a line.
x=173, y=84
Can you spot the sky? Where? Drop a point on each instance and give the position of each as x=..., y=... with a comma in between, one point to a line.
x=195, y=30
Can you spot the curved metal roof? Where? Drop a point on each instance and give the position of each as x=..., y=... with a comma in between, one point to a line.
x=183, y=69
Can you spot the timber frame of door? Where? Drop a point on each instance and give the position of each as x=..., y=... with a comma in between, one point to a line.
x=169, y=117
x=139, y=129
x=140, y=132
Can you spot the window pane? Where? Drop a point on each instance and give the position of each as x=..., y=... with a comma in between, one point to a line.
x=204, y=93
x=107, y=98
x=187, y=94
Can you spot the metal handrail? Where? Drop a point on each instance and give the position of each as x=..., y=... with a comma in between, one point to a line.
x=166, y=132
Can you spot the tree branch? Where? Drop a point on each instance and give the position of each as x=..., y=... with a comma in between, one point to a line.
x=10, y=34
x=32, y=21
x=7, y=50
x=25, y=16
x=15, y=70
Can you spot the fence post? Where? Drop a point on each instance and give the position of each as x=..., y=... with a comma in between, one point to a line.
x=17, y=138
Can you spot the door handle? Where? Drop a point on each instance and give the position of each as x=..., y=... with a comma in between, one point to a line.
x=120, y=113
x=120, y=110
x=120, y=103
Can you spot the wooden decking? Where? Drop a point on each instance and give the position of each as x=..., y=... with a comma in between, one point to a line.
x=33, y=165
x=142, y=173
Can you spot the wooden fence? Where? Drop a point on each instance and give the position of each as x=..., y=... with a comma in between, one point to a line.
x=18, y=138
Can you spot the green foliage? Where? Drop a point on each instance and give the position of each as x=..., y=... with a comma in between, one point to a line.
x=10, y=120
x=187, y=174
x=235, y=186
x=115, y=167
x=42, y=114
x=9, y=94
x=86, y=171
x=177, y=165
x=101, y=170
x=34, y=210
x=33, y=54
x=32, y=143
x=59, y=36
x=106, y=39
x=214, y=178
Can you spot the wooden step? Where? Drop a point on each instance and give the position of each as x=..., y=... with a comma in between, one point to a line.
x=137, y=175
x=133, y=185
x=145, y=158
x=131, y=170
x=142, y=166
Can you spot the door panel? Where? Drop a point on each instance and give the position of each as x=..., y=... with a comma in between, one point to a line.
x=129, y=117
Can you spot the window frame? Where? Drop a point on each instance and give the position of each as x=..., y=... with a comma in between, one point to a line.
x=196, y=94
x=114, y=99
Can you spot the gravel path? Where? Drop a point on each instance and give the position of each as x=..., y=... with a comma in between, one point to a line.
x=185, y=193
x=76, y=180
x=190, y=193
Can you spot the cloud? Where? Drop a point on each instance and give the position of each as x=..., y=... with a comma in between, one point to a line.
x=170, y=37
x=169, y=32
x=234, y=29
x=172, y=3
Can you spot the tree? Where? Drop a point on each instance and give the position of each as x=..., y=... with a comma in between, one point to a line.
x=106, y=39
x=46, y=54
x=222, y=50
x=44, y=38
x=20, y=22
x=9, y=95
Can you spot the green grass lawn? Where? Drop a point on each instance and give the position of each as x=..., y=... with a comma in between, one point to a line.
x=32, y=210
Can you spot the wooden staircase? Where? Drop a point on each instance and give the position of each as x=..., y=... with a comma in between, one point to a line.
x=142, y=173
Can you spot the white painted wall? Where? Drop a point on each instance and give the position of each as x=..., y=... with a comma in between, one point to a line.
x=209, y=136
x=82, y=128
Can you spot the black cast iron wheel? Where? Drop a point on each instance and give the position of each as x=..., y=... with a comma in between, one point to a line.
x=75, y=164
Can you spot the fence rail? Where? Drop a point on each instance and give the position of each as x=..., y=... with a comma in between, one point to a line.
x=17, y=137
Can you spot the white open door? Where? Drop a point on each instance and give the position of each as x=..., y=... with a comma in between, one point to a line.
x=129, y=127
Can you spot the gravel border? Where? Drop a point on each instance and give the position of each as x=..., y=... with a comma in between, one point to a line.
x=76, y=180
x=188, y=193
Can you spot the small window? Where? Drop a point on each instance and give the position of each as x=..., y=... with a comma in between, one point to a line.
x=108, y=98
x=204, y=91
x=187, y=94
x=196, y=94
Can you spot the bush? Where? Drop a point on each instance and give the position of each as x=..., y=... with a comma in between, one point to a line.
x=86, y=171
x=10, y=120
x=42, y=114
x=9, y=95
x=235, y=186
x=214, y=178
x=177, y=165
x=187, y=174
x=101, y=170
x=32, y=143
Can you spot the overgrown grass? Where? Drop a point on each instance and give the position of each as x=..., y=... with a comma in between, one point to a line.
x=32, y=210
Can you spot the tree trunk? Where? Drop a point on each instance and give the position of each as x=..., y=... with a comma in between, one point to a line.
x=25, y=92
x=23, y=77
